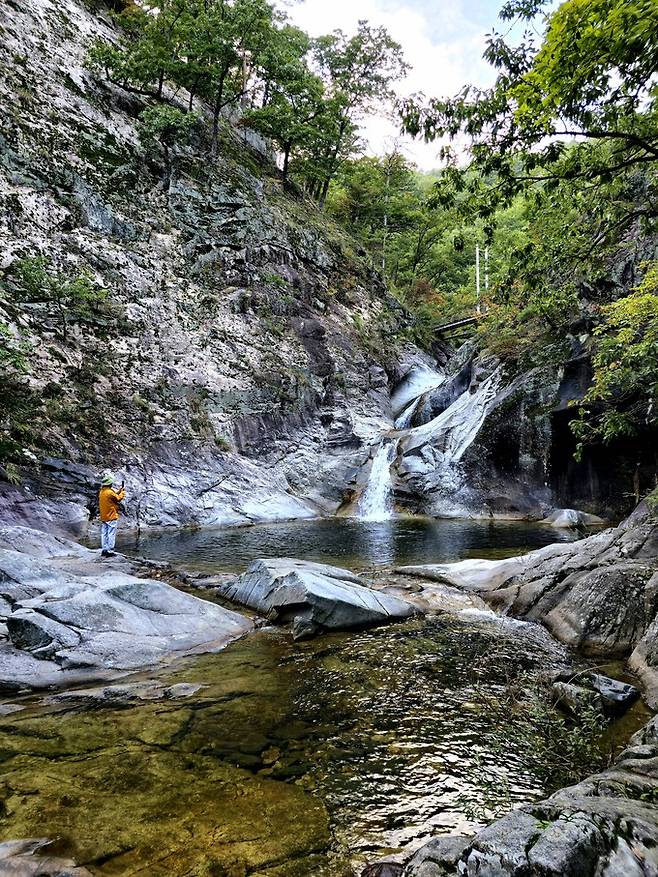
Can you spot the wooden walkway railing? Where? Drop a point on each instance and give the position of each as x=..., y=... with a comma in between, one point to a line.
x=448, y=327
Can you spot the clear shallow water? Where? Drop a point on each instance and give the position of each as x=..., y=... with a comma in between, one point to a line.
x=292, y=759
x=346, y=541
x=312, y=757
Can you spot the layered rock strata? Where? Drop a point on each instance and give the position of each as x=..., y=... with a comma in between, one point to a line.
x=67, y=616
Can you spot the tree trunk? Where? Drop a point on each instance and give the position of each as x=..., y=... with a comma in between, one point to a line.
x=636, y=483
x=160, y=84
x=334, y=158
x=193, y=88
x=325, y=191
x=216, y=111
x=286, y=160
x=166, y=180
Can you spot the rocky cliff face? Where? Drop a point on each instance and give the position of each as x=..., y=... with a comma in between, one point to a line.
x=483, y=440
x=228, y=373
x=229, y=353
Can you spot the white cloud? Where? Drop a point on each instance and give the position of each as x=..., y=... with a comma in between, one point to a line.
x=441, y=42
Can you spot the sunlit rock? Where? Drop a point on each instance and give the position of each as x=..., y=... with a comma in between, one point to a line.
x=313, y=596
x=72, y=617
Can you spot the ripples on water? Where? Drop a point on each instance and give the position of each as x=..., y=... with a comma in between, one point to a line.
x=388, y=729
x=410, y=736
x=347, y=541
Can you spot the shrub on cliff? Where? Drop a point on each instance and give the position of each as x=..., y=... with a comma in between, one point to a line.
x=69, y=296
x=624, y=393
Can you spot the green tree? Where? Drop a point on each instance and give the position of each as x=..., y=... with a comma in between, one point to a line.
x=150, y=52
x=222, y=42
x=359, y=73
x=592, y=79
x=207, y=46
x=623, y=398
x=167, y=126
x=36, y=280
x=292, y=95
x=378, y=199
x=571, y=127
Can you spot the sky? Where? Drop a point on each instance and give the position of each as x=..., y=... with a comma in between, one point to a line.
x=443, y=41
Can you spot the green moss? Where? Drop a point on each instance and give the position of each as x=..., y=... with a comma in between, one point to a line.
x=163, y=811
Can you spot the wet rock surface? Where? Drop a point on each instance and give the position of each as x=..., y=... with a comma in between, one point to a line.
x=598, y=594
x=478, y=443
x=71, y=616
x=605, y=826
x=312, y=596
x=485, y=441
x=30, y=858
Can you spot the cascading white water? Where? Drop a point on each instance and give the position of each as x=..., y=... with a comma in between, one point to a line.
x=376, y=503
x=408, y=394
x=428, y=457
x=451, y=433
x=431, y=454
x=404, y=420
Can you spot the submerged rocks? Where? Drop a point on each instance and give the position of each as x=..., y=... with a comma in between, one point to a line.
x=28, y=858
x=313, y=596
x=606, y=696
x=73, y=617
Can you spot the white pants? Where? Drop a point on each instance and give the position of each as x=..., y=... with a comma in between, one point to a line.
x=108, y=534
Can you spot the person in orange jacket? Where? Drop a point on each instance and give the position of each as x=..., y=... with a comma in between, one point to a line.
x=108, y=504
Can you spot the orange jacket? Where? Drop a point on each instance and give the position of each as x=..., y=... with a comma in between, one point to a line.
x=108, y=503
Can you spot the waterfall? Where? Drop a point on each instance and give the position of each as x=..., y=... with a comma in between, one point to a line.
x=376, y=503
x=452, y=432
x=404, y=420
x=407, y=395
x=431, y=454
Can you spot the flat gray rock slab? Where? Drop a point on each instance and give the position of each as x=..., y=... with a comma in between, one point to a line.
x=29, y=858
x=64, y=627
x=39, y=544
x=313, y=596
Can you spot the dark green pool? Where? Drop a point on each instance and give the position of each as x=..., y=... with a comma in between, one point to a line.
x=346, y=541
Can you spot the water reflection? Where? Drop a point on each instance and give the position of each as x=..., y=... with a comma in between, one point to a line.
x=388, y=732
x=347, y=541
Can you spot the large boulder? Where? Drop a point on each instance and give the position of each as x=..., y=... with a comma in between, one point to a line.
x=571, y=519
x=313, y=596
x=72, y=617
x=598, y=594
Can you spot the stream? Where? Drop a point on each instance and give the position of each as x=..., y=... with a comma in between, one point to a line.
x=287, y=759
